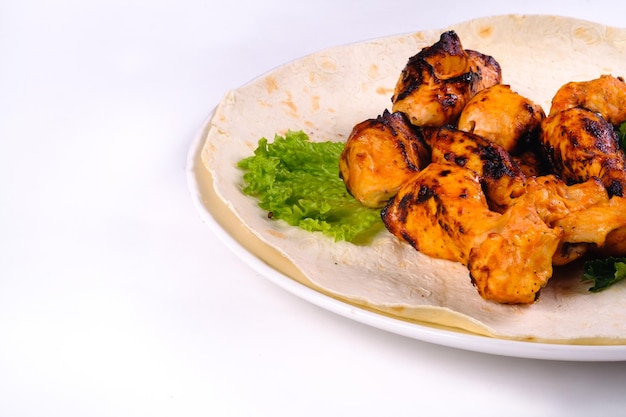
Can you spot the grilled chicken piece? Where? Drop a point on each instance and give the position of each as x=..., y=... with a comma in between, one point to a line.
x=442, y=212
x=580, y=144
x=436, y=83
x=501, y=177
x=379, y=155
x=487, y=68
x=503, y=116
x=599, y=229
x=595, y=224
x=513, y=263
x=605, y=95
x=556, y=201
x=504, y=183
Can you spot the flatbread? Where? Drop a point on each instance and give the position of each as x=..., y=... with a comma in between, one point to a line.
x=327, y=93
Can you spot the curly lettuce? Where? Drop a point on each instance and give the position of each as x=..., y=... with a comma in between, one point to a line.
x=297, y=181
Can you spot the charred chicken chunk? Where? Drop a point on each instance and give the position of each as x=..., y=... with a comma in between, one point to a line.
x=504, y=183
x=503, y=116
x=379, y=155
x=580, y=145
x=436, y=83
x=502, y=179
x=441, y=211
x=595, y=224
x=487, y=68
x=605, y=95
x=556, y=201
x=513, y=263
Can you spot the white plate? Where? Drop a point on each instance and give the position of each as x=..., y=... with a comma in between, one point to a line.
x=207, y=203
x=317, y=92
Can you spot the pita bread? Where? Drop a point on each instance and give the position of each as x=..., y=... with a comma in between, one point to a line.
x=327, y=93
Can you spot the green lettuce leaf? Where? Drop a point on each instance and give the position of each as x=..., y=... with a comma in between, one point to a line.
x=298, y=181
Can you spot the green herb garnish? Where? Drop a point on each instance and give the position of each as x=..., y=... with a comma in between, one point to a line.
x=298, y=181
x=604, y=272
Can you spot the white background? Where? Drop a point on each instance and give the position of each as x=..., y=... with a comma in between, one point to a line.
x=115, y=298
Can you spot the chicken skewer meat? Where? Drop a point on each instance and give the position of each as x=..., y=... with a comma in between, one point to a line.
x=443, y=213
x=438, y=81
x=503, y=116
x=502, y=179
x=579, y=137
x=605, y=95
x=580, y=145
x=580, y=141
x=503, y=184
x=378, y=157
